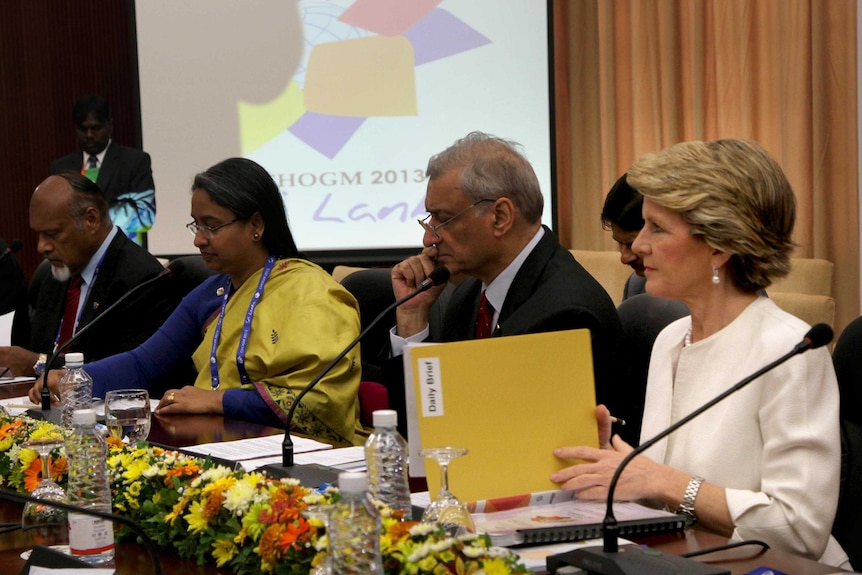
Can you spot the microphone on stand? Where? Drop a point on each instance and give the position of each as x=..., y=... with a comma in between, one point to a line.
x=46, y=393
x=16, y=497
x=12, y=248
x=438, y=276
x=610, y=560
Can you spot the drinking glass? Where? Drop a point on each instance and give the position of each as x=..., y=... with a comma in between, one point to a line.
x=447, y=510
x=127, y=414
x=321, y=513
x=46, y=520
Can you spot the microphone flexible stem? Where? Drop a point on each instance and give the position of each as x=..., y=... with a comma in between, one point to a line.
x=287, y=444
x=610, y=526
x=46, y=393
x=148, y=543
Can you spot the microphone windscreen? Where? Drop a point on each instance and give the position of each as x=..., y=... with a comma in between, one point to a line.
x=15, y=246
x=177, y=267
x=818, y=336
x=439, y=276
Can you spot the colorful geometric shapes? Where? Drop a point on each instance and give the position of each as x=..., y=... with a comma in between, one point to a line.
x=260, y=123
x=362, y=77
x=427, y=34
x=326, y=134
x=387, y=17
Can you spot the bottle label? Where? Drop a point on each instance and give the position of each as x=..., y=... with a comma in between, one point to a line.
x=90, y=535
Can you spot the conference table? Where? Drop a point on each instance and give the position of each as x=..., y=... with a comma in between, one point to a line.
x=185, y=430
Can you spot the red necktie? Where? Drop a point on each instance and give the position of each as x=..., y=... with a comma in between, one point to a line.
x=485, y=318
x=70, y=313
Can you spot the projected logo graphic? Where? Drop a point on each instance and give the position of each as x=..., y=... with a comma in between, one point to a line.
x=359, y=62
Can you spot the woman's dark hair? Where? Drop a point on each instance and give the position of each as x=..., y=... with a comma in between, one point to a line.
x=623, y=207
x=245, y=188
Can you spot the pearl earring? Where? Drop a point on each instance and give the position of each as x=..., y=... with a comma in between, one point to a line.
x=257, y=236
x=715, y=279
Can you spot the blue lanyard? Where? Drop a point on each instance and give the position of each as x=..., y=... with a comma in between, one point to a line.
x=246, y=328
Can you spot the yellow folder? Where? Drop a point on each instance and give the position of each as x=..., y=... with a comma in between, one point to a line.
x=509, y=400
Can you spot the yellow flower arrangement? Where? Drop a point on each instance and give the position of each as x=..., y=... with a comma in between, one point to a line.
x=242, y=521
x=20, y=468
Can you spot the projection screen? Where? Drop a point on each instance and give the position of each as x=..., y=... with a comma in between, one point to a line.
x=342, y=101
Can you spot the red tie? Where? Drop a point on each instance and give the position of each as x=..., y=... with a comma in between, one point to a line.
x=70, y=313
x=484, y=318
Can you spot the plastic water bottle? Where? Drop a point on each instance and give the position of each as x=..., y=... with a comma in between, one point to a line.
x=91, y=539
x=76, y=388
x=354, y=539
x=386, y=455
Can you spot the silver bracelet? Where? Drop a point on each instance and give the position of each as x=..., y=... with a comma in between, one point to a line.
x=687, y=506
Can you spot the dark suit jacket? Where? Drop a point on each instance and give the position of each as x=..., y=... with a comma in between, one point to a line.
x=551, y=292
x=123, y=170
x=124, y=266
x=13, y=291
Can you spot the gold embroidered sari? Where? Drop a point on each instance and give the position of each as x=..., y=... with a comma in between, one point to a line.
x=304, y=319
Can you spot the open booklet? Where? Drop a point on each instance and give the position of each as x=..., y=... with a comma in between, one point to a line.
x=557, y=516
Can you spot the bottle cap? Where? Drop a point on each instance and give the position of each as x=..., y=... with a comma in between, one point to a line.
x=353, y=482
x=385, y=418
x=84, y=416
x=74, y=359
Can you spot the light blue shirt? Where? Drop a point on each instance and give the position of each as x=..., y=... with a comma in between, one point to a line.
x=88, y=274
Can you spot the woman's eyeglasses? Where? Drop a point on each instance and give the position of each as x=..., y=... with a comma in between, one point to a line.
x=207, y=231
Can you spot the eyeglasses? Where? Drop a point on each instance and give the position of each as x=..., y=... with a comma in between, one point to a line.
x=433, y=229
x=208, y=231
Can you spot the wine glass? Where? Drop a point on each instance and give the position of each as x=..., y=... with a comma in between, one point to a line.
x=447, y=510
x=128, y=414
x=321, y=513
x=47, y=520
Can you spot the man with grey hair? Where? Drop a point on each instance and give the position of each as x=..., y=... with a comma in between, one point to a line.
x=92, y=264
x=484, y=222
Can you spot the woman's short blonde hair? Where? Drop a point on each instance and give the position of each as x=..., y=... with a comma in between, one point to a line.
x=734, y=195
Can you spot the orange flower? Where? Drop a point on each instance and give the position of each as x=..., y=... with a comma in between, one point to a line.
x=280, y=509
x=59, y=467
x=401, y=529
x=294, y=531
x=289, y=514
x=188, y=469
x=115, y=441
x=269, y=548
x=8, y=428
x=212, y=505
x=33, y=475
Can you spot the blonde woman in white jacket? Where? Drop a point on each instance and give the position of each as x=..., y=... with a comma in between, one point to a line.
x=765, y=463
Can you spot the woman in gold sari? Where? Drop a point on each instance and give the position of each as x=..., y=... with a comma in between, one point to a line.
x=259, y=330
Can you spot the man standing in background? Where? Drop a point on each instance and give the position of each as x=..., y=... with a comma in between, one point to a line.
x=124, y=174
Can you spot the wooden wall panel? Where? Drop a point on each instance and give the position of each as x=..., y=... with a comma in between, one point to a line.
x=51, y=53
